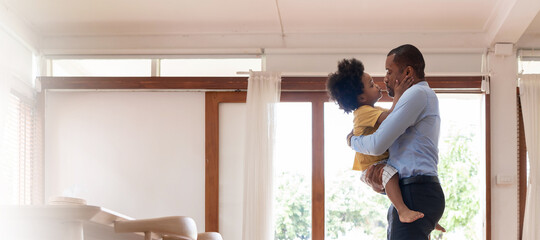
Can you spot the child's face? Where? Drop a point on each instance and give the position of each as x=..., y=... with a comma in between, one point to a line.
x=372, y=92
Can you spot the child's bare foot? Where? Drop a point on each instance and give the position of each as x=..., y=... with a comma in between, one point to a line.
x=409, y=216
x=439, y=228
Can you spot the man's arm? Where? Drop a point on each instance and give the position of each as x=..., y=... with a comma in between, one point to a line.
x=405, y=114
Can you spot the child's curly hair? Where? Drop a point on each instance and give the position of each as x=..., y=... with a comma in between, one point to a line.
x=345, y=85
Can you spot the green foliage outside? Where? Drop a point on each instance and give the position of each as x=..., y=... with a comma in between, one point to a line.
x=458, y=172
x=293, y=209
x=351, y=206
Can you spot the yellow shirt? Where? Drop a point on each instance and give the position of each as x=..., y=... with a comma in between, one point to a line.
x=365, y=118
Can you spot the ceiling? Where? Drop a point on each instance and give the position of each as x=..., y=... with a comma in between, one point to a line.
x=531, y=37
x=180, y=24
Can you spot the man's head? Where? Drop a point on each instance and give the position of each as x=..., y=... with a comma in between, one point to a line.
x=405, y=60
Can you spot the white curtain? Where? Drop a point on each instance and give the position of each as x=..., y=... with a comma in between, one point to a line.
x=262, y=95
x=529, y=88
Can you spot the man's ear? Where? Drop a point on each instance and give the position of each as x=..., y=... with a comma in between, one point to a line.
x=409, y=71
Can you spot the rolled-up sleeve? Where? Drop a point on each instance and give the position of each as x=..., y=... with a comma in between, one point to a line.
x=405, y=114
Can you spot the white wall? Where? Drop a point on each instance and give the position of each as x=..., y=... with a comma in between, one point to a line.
x=138, y=153
x=373, y=62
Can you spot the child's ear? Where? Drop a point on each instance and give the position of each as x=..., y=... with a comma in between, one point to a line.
x=361, y=98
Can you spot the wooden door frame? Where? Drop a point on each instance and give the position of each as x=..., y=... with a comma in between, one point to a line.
x=213, y=99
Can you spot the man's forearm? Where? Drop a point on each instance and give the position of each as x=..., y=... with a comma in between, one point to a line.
x=364, y=145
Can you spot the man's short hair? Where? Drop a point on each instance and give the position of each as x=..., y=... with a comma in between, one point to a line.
x=409, y=55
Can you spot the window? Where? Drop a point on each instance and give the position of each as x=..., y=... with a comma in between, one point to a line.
x=20, y=166
x=354, y=211
x=462, y=164
x=101, y=67
x=187, y=67
x=208, y=67
x=292, y=214
x=529, y=66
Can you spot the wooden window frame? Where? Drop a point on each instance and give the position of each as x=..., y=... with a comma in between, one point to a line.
x=293, y=89
x=440, y=84
x=522, y=165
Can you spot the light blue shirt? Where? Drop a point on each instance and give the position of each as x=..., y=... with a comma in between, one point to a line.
x=410, y=133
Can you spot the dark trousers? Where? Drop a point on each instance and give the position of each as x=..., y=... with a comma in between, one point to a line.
x=425, y=197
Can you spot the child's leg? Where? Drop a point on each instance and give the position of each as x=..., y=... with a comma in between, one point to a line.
x=393, y=192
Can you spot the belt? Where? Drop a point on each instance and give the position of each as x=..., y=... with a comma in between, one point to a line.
x=419, y=179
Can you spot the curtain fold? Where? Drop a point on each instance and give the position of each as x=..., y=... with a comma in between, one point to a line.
x=529, y=88
x=262, y=95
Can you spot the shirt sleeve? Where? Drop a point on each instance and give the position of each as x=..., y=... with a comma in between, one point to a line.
x=405, y=114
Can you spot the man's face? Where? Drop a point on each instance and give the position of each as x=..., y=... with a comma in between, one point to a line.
x=392, y=73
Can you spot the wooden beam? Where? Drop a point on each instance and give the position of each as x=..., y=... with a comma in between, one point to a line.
x=224, y=83
x=318, y=192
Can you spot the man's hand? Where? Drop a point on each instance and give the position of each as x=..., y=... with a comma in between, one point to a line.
x=401, y=86
x=349, y=136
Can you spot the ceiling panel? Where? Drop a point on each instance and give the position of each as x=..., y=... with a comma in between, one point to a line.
x=386, y=16
x=89, y=17
x=160, y=24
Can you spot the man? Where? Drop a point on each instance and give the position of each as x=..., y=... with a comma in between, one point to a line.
x=411, y=134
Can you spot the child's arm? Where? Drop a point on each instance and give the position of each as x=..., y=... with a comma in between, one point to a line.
x=399, y=89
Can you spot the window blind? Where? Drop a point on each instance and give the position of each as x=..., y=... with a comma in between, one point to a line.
x=21, y=166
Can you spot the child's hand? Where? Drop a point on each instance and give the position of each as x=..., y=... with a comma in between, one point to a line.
x=349, y=136
x=401, y=86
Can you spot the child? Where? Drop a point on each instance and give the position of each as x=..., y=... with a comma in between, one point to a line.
x=354, y=90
